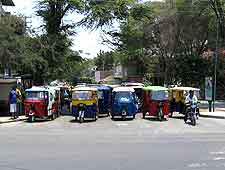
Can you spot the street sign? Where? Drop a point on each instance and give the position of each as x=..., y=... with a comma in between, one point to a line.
x=208, y=88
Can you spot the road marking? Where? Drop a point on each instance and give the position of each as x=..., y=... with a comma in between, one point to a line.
x=122, y=124
x=218, y=158
x=217, y=153
x=197, y=165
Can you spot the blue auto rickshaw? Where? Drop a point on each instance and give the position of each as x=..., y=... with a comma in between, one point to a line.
x=124, y=103
x=104, y=98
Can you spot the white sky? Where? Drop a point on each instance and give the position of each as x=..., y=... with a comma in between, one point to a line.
x=85, y=40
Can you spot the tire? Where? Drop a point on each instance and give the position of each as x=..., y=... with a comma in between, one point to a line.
x=171, y=115
x=96, y=118
x=112, y=117
x=123, y=117
x=53, y=116
x=75, y=118
x=134, y=116
x=31, y=119
x=81, y=120
x=160, y=116
x=144, y=115
x=193, y=121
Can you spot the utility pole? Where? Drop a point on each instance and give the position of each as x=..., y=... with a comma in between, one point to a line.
x=215, y=64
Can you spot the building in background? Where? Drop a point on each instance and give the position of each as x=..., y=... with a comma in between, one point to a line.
x=5, y=3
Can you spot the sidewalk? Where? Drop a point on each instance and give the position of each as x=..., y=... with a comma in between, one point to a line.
x=9, y=119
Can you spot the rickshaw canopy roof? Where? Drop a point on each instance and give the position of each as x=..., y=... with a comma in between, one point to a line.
x=133, y=84
x=125, y=89
x=85, y=89
x=100, y=87
x=185, y=88
x=112, y=85
x=37, y=89
x=155, y=88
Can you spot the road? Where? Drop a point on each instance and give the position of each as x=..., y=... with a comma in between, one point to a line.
x=63, y=144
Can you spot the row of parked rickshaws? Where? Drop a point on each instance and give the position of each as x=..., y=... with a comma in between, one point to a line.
x=91, y=101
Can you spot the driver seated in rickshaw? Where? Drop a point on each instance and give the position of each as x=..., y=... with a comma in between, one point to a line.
x=191, y=99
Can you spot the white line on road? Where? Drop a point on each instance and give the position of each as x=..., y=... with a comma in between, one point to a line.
x=217, y=153
x=197, y=165
x=218, y=158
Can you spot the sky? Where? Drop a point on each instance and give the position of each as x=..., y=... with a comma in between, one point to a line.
x=90, y=42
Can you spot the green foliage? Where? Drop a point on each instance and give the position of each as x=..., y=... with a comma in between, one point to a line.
x=104, y=61
x=11, y=29
x=99, y=13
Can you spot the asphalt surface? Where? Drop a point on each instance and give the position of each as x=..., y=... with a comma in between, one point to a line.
x=63, y=144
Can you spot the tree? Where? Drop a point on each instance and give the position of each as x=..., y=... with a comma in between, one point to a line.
x=104, y=61
x=56, y=40
x=11, y=33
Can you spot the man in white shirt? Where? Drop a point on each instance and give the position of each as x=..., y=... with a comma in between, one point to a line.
x=192, y=100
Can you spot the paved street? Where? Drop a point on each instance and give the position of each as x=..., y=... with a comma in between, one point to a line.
x=113, y=145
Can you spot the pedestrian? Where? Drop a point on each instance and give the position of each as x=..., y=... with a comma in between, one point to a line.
x=12, y=102
x=19, y=101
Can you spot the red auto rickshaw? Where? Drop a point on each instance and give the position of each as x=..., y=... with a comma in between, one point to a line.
x=40, y=102
x=155, y=102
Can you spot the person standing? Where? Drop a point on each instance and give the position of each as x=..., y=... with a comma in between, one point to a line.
x=12, y=102
x=19, y=101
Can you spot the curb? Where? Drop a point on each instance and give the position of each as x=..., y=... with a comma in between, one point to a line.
x=11, y=121
x=211, y=116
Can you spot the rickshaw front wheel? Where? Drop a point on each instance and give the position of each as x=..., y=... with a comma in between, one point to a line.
x=81, y=120
x=171, y=115
x=31, y=119
x=144, y=115
x=123, y=117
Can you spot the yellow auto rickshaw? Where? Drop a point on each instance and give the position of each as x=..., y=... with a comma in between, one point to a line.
x=85, y=103
x=177, y=97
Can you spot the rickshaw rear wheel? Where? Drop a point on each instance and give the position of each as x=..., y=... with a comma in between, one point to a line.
x=134, y=116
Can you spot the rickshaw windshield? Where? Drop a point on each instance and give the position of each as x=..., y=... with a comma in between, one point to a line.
x=82, y=95
x=100, y=95
x=123, y=94
x=159, y=95
x=35, y=95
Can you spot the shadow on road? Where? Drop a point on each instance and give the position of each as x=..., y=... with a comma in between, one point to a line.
x=154, y=119
x=39, y=121
x=85, y=121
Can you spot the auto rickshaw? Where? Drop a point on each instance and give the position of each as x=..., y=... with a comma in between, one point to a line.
x=155, y=102
x=104, y=98
x=177, y=97
x=138, y=88
x=124, y=104
x=39, y=103
x=85, y=103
